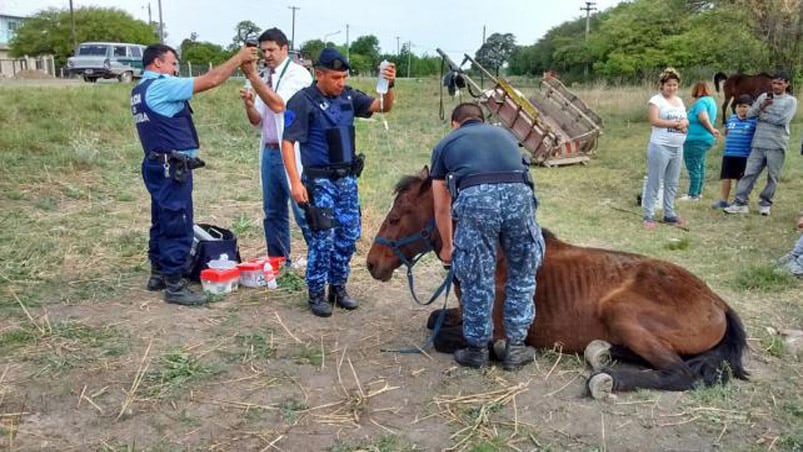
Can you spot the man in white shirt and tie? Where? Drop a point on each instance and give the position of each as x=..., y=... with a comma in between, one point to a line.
x=265, y=107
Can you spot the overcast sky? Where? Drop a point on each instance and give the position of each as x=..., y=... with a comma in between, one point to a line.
x=454, y=26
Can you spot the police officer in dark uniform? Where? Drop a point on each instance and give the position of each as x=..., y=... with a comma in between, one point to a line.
x=163, y=117
x=480, y=168
x=321, y=119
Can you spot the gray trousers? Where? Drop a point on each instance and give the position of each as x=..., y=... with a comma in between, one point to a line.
x=663, y=163
x=759, y=158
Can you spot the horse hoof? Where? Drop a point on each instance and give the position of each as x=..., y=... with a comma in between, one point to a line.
x=598, y=354
x=601, y=387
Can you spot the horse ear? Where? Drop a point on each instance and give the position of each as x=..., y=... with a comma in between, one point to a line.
x=424, y=172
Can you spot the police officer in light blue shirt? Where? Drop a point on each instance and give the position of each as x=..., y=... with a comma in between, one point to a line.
x=163, y=118
x=321, y=119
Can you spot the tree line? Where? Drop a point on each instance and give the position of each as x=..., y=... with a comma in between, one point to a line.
x=629, y=42
x=636, y=39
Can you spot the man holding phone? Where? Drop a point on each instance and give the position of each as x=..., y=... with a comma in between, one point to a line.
x=265, y=107
x=774, y=111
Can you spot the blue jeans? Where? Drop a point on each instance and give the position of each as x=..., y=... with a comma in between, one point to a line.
x=275, y=197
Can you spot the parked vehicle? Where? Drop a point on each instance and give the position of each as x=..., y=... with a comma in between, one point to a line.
x=94, y=60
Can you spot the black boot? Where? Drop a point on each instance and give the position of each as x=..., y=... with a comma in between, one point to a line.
x=178, y=292
x=517, y=355
x=319, y=306
x=471, y=356
x=338, y=294
x=157, y=279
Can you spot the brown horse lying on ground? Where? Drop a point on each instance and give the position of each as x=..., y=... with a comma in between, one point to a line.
x=738, y=84
x=654, y=313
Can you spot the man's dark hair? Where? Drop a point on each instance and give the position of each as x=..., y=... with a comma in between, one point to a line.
x=275, y=35
x=154, y=51
x=467, y=110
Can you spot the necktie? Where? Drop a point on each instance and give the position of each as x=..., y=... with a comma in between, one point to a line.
x=270, y=78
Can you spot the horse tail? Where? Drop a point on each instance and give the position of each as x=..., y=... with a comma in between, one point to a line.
x=725, y=359
x=718, y=77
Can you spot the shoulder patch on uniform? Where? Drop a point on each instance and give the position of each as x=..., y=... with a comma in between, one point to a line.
x=289, y=117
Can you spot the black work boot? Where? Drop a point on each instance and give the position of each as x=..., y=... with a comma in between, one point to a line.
x=157, y=279
x=471, y=356
x=517, y=355
x=338, y=294
x=319, y=306
x=178, y=292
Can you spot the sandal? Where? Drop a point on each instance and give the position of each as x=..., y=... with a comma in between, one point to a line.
x=674, y=221
x=649, y=225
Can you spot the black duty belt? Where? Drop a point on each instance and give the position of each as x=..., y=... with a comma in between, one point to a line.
x=501, y=177
x=329, y=172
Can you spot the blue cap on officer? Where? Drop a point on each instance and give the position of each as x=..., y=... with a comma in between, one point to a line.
x=330, y=58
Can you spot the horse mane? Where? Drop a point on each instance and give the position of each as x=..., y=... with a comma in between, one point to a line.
x=405, y=182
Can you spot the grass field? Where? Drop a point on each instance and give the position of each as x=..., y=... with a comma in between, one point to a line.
x=89, y=360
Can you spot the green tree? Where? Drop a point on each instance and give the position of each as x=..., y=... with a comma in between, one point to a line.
x=496, y=51
x=368, y=47
x=203, y=52
x=312, y=48
x=244, y=30
x=49, y=31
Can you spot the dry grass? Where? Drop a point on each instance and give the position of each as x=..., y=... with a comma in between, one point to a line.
x=264, y=375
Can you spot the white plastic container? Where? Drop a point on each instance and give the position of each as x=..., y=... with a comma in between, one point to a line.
x=252, y=273
x=220, y=282
x=270, y=275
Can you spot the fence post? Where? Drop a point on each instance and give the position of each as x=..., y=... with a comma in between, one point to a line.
x=189, y=68
x=210, y=67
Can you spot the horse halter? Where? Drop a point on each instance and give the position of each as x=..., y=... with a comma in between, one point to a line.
x=425, y=236
x=420, y=236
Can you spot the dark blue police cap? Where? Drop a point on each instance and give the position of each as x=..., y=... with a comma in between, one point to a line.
x=330, y=58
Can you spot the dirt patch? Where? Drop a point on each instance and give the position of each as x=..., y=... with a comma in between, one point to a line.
x=257, y=371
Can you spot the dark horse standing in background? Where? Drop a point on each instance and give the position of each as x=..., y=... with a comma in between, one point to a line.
x=739, y=84
x=611, y=304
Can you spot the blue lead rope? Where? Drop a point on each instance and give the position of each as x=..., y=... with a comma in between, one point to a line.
x=396, y=246
x=444, y=287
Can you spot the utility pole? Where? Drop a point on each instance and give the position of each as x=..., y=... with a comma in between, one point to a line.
x=590, y=6
x=161, y=25
x=150, y=17
x=347, y=43
x=398, y=52
x=293, y=30
x=72, y=19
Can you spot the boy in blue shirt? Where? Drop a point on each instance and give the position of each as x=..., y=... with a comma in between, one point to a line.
x=739, y=130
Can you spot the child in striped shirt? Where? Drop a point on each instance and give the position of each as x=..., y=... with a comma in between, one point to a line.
x=738, y=132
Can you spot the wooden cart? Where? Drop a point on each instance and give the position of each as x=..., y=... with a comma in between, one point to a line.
x=555, y=125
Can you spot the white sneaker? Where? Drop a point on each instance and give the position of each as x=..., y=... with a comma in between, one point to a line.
x=689, y=198
x=737, y=209
x=764, y=210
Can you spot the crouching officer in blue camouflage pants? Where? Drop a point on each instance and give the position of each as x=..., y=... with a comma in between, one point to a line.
x=481, y=169
x=163, y=117
x=321, y=119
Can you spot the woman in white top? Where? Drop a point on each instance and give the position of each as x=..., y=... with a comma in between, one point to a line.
x=667, y=115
